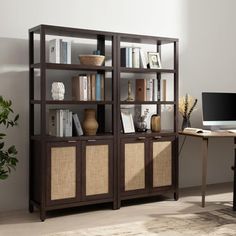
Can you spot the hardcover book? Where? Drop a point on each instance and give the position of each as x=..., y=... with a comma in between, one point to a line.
x=140, y=90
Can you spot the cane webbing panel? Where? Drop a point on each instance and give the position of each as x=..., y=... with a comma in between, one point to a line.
x=134, y=166
x=63, y=172
x=97, y=169
x=162, y=164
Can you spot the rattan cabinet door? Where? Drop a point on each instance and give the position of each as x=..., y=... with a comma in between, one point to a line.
x=162, y=163
x=62, y=173
x=133, y=166
x=97, y=169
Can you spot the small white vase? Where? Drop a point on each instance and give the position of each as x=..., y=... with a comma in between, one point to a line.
x=58, y=91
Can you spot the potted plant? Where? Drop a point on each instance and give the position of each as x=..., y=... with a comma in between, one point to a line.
x=8, y=160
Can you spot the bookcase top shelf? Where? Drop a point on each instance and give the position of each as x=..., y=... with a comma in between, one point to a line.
x=59, y=66
x=93, y=34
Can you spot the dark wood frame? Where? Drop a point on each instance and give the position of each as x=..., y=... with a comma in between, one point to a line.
x=38, y=143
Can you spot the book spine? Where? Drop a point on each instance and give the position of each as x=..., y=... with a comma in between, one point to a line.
x=148, y=90
x=158, y=90
x=77, y=124
x=98, y=87
x=89, y=87
x=135, y=57
x=93, y=87
x=140, y=90
x=76, y=88
x=60, y=123
x=68, y=56
x=52, y=123
x=151, y=89
x=64, y=122
x=155, y=89
x=102, y=88
x=123, y=59
x=130, y=51
x=81, y=88
x=143, y=61
x=85, y=87
x=54, y=51
x=69, y=132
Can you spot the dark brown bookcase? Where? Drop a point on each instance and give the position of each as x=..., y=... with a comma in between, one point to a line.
x=111, y=166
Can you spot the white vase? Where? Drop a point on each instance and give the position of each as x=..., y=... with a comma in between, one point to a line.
x=58, y=91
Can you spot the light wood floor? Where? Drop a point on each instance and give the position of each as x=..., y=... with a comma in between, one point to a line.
x=22, y=223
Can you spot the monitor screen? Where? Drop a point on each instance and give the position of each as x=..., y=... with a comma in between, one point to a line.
x=219, y=109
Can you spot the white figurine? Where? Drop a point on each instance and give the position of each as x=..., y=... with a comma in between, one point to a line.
x=58, y=91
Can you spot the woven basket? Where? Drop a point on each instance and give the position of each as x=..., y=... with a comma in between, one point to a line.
x=91, y=60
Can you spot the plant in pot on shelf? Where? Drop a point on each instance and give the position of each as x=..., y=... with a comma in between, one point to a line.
x=8, y=160
x=186, y=107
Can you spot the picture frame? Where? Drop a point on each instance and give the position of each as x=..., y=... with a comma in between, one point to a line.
x=127, y=122
x=154, y=60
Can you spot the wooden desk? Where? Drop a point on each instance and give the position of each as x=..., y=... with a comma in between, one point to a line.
x=205, y=137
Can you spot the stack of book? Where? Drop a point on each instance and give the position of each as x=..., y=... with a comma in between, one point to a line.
x=147, y=90
x=60, y=123
x=88, y=87
x=59, y=51
x=133, y=57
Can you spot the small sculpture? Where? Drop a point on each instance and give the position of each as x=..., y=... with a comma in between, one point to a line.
x=58, y=91
x=129, y=98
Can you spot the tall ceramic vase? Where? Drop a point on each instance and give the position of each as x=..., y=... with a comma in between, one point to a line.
x=90, y=123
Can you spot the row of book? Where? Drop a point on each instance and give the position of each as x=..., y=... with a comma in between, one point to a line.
x=89, y=87
x=133, y=57
x=61, y=123
x=147, y=90
x=60, y=51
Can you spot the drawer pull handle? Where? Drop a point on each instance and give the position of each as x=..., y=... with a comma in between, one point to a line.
x=71, y=141
x=91, y=140
x=157, y=137
x=141, y=138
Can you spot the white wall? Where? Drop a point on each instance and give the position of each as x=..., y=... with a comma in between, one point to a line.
x=207, y=58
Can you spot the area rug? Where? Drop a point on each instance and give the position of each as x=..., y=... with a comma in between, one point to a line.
x=219, y=222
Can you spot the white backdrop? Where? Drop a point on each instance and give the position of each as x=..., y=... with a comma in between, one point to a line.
x=207, y=63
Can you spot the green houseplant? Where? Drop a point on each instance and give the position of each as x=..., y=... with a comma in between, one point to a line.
x=8, y=160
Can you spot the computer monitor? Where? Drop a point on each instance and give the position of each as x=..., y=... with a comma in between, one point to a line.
x=219, y=110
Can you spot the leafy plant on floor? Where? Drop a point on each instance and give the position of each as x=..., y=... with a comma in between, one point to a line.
x=8, y=160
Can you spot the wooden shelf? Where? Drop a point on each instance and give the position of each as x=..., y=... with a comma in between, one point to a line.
x=149, y=134
x=74, y=138
x=67, y=102
x=59, y=66
x=143, y=70
x=148, y=102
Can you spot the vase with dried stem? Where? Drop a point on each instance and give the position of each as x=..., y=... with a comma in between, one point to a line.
x=186, y=107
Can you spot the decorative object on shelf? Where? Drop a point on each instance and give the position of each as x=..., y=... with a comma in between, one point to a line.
x=8, y=160
x=141, y=123
x=156, y=123
x=58, y=91
x=90, y=123
x=129, y=98
x=91, y=60
x=127, y=121
x=186, y=106
x=154, y=60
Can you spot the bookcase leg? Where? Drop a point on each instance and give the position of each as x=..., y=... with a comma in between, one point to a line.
x=116, y=205
x=42, y=215
x=31, y=208
x=176, y=196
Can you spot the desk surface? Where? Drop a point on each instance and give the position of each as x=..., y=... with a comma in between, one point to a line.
x=212, y=134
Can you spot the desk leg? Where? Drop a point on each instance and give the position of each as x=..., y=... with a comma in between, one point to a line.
x=204, y=168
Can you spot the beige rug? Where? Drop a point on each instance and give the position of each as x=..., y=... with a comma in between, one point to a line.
x=220, y=222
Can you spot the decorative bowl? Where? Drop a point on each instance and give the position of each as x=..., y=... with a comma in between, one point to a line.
x=91, y=60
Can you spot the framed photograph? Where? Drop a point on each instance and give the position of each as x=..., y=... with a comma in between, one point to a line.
x=127, y=121
x=154, y=60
